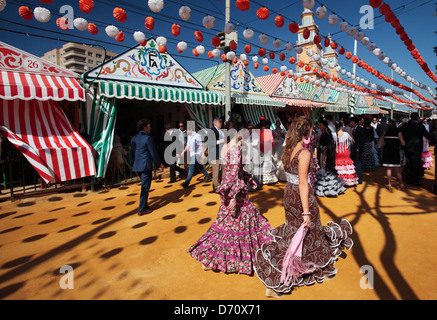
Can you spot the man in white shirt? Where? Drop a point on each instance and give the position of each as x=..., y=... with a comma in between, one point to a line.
x=214, y=151
x=196, y=155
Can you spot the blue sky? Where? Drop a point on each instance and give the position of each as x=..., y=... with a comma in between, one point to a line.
x=417, y=17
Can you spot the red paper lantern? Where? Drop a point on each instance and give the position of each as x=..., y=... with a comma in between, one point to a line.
x=341, y=50
x=315, y=71
x=198, y=35
x=400, y=30
x=408, y=42
x=86, y=6
x=327, y=42
x=348, y=55
x=62, y=23
x=279, y=21
x=322, y=74
x=235, y=60
x=282, y=56
x=210, y=54
x=150, y=23
x=375, y=3
x=46, y=1
x=293, y=27
x=261, y=52
x=317, y=39
x=307, y=68
x=384, y=9
x=306, y=34
x=256, y=65
x=246, y=62
x=247, y=48
x=215, y=41
x=274, y=70
x=162, y=49
x=411, y=47
x=389, y=17
x=395, y=23
x=272, y=55
x=92, y=28
x=360, y=63
x=195, y=53
x=262, y=13
x=266, y=68
x=223, y=57
x=334, y=45
x=25, y=13
x=119, y=14
x=233, y=45
x=120, y=36
x=176, y=30
x=301, y=64
x=243, y=5
x=354, y=59
x=292, y=60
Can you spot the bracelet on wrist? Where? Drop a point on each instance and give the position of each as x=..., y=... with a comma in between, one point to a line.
x=306, y=213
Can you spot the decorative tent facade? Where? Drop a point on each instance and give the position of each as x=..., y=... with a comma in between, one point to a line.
x=34, y=122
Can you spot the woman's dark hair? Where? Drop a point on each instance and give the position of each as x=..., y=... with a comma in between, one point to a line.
x=142, y=123
x=391, y=130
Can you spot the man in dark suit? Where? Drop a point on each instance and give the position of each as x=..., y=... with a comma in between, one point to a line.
x=143, y=152
x=214, y=152
x=413, y=133
x=357, y=147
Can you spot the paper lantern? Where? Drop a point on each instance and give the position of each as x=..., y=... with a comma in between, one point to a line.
x=80, y=24
x=119, y=14
x=243, y=57
x=120, y=36
x=41, y=14
x=359, y=36
x=277, y=43
x=327, y=42
x=111, y=31
x=365, y=41
x=288, y=46
x=149, y=23
x=299, y=50
x=282, y=56
x=263, y=38
x=247, y=48
x=208, y=22
x=228, y=27
x=86, y=6
x=2, y=5
x=230, y=55
x=395, y=23
x=334, y=45
x=248, y=34
x=279, y=21
x=400, y=30
x=306, y=33
x=92, y=28
x=162, y=49
x=293, y=27
x=301, y=64
x=351, y=31
x=307, y=68
x=255, y=65
x=344, y=26
x=316, y=57
x=161, y=41
x=317, y=39
x=375, y=3
x=333, y=19
x=371, y=46
x=354, y=59
x=176, y=30
x=62, y=23
x=308, y=4
x=216, y=53
x=274, y=70
x=309, y=52
x=243, y=5
x=332, y=65
x=198, y=36
x=233, y=45
x=182, y=46
x=210, y=54
x=292, y=60
x=215, y=41
x=321, y=12
x=139, y=36
x=348, y=55
x=200, y=49
x=262, y=13
x=255, y=58
x=195, y=53
x=265, y=61
x=261, y=52
x=272, y=55
x=377, y=51
x=235, y=60
x=156, y=5
x=283, y=68
x=384, y=9
x=266, y=68
x=185, y=13
x=25, y=13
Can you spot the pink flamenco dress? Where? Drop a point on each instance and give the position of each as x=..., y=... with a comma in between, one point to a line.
x=229, y=245
x=343, y=163
x=426, y=154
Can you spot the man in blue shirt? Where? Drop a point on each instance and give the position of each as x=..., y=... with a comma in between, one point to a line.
x=143, y=152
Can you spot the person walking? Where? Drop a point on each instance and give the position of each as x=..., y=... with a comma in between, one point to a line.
x=343, y=163
x=174, y=167
x=303, y=250
x=391, y=155
x=214, y=151
x=230, y=243
x=357, y=147
x=143, y=153
x=196, y=154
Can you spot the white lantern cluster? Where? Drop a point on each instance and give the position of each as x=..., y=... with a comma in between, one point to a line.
x=41, y=14
x=161, y=41
x=182, y=46
x=156, y=5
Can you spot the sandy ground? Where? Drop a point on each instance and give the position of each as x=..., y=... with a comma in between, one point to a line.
x=116, y=254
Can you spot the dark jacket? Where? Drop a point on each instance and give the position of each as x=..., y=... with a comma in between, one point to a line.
x=213, y=144
x=143, y=152
x=413, y=133
x=359, y=137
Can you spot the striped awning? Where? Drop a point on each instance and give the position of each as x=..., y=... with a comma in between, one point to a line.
x=125, y=90
x=28, y=86
x=300, y=102
x=41, y=131
x=250, y=98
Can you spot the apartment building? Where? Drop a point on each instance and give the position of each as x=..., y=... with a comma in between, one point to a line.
x=78, y=57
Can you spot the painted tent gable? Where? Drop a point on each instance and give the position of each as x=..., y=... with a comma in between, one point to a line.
x=343, y=99
x=361, y=102
x=145, y=65
x=13, y=59
x=242, y=80
x=288, y=88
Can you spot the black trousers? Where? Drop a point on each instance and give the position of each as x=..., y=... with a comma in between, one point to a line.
x=413, y=167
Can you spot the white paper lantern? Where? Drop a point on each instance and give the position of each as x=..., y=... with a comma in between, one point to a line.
x=216, y=53
x=230, y=55
x=397, y=69
x=332, y=65
x=317, y=82
x=263, y=38
x=323, y=84
x=2, y=5
x=365, y=41
x=403, y=74
x=283, y=68
x=208, y=22
x=299, y=74
x=353, y=77
x=182, y=46
x=333, y=19
x=80, y=24
x=343, y=71
x=139, y=36
x=386, y=60
x=328, y=85
x=359, y=36
x=308, y=4
x=243, y=57
x=200, y=49
x=277, y=43
x=343, y=26
x=185, y=13
x=351, y=31
x=348, y=74
x=228, y=27
x=156, y=5
x=376, y=51
x=309, y=52
x=371, y=46
x=338, y=68
x=316, y=57
x=255, y=58
x=306, y=78
x=299, y=50
x=321, y=12
x=161, y=41
x=324, y=61
x=265, y=61
x=41, y=14
x=288, y=46
x=248, y=34
x=366, y=83
x=382, y=56
x=111, y=31
x=291, y=72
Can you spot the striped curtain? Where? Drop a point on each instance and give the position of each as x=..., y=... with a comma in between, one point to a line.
x=253, y=113
x=101, y=130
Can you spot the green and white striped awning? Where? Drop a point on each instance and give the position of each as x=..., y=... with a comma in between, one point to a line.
x=250, y=99
x=337, y=108
x=125, y=90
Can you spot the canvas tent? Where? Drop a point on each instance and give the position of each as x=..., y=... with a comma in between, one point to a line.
x=34, y=122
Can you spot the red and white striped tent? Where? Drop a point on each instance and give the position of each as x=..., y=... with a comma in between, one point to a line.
x=33, y=120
